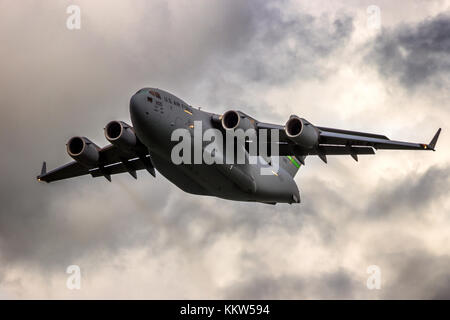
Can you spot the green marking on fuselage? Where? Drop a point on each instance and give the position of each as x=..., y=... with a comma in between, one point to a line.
x=294, y=161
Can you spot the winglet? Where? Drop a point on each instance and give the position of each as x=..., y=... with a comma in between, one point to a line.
x=432, y=144
x=43, y=171
x=44, y=168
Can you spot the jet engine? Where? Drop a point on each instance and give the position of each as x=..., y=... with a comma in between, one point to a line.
x=232, y=120
x=121, y=135
x=301, y=132
x=84, y=151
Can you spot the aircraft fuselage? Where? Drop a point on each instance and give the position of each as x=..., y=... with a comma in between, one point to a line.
x=155, y=118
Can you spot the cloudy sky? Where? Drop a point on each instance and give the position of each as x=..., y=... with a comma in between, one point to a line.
x=326, y=61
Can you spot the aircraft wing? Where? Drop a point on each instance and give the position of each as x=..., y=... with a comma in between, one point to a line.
x=111, y=161
x=343, y=142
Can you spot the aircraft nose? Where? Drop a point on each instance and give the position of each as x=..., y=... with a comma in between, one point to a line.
x=135, y=105
x=137, y=110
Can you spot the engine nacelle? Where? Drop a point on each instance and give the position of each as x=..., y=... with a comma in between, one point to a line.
x=84, y=151
x=301, y=132
x=232, y=120
x=121, y=135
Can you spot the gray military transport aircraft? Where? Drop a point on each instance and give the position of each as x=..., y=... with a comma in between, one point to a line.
x=155, y=114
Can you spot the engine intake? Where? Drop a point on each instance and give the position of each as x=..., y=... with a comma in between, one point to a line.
x=121, y=135
x=301, y=132
x=83, y=150
x=230, y=120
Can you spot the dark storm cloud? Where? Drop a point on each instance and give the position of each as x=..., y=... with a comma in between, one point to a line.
x=415, y=54
x=252, y=221
x=56, y=83
x=334, y=285
x=273, y=54
x=266, y=47
x=411, y=194
x=280, y=49
x=75, y=81
x=418, y=275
